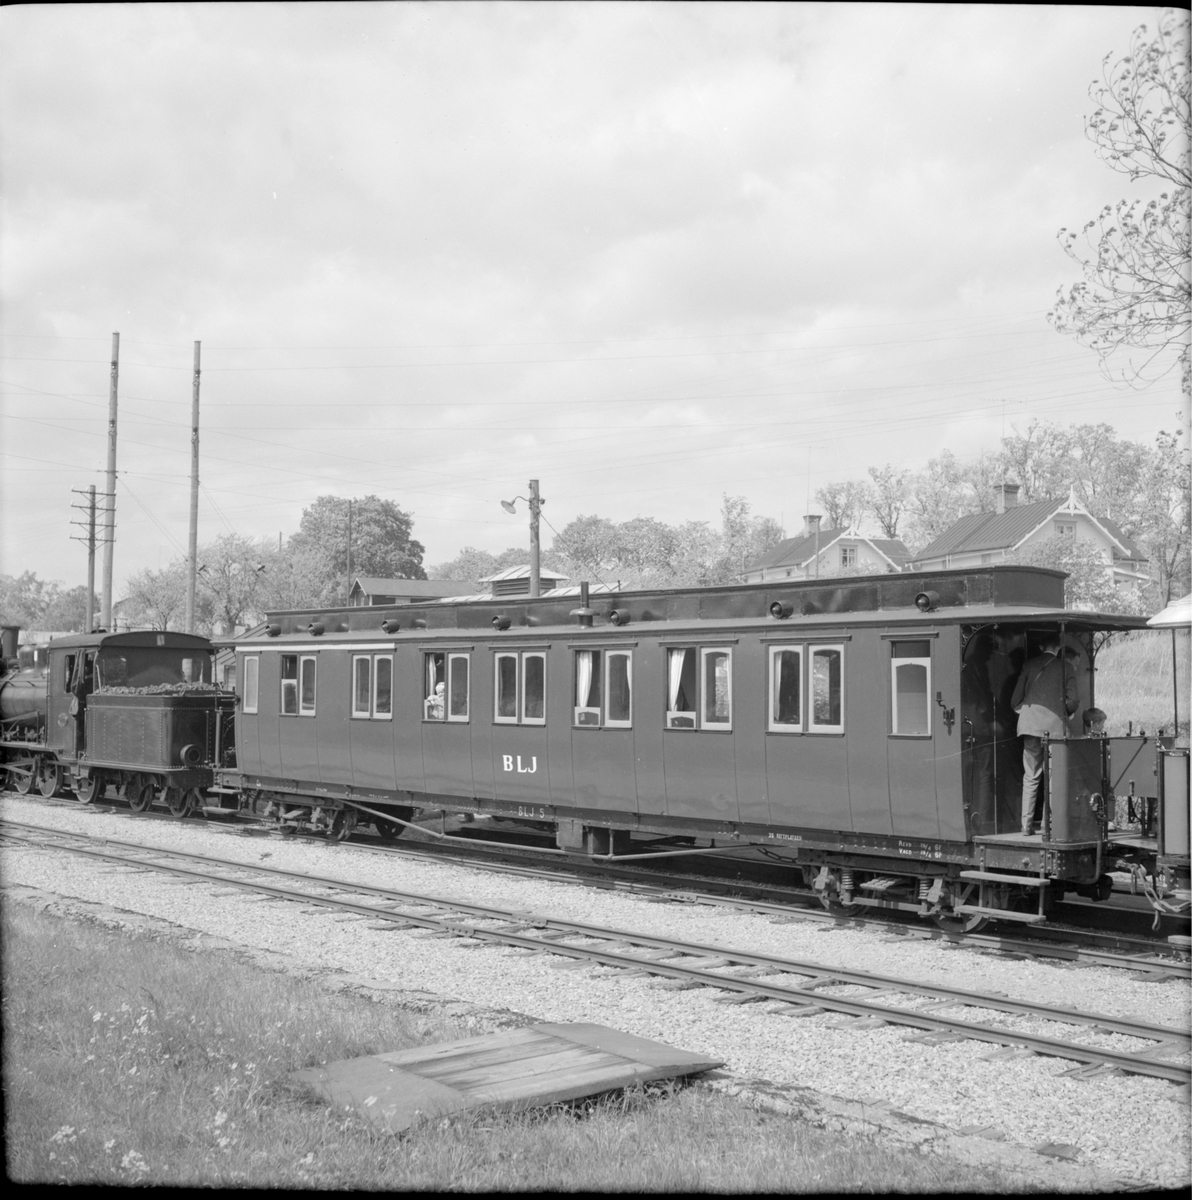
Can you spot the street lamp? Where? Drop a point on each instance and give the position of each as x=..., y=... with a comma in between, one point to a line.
x=535, y=502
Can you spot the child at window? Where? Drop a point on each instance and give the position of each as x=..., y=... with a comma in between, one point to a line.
x=1094, y=722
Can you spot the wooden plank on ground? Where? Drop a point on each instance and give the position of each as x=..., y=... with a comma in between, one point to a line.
x=520, y=1068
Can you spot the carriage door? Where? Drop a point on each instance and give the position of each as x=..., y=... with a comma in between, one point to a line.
x=910, y=746
x=60, y=725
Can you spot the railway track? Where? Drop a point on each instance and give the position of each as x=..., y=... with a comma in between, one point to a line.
x=1150, y=957
x=798, y=988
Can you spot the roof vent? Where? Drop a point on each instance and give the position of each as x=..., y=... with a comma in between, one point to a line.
x=927, y=601
x=619, y=616
x=584, y=613
x=780, y=610
x=501, y=623
x=273, y=629
x=316, y=629
x=391, y=625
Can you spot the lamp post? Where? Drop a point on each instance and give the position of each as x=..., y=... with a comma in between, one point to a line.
x=535, y=502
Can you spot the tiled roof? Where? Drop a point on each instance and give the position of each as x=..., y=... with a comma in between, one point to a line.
x=1001, y=531
x=794, y=552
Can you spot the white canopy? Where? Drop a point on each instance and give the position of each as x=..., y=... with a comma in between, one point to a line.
x=1178, y=612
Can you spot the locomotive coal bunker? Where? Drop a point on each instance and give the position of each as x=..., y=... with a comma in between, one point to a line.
x=859, y=728
x=135, y=711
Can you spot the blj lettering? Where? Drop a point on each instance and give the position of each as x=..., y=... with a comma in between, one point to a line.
x=507, y=762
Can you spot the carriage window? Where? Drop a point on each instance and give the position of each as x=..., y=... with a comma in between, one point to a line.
x=786, y=688
x=618, y=688
x=827, y=693
x=910, y=688
x=289, y=684
x=717, y=689
x=306, y=701
x=680, y=689
x=68, y=672
x=361, y=685
x=587, y=687
x=434, y=686
x=457, y=687
x=252, y=677
x=603, y=688
x=534, y=689
x=383, y=687
x=525, y=703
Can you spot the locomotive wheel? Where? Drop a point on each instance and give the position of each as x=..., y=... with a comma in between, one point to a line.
x=21, y=772
x=140, y=795
x=390, y=831
x=179, y=801
x=840, y=910
x=49, y=777
x=89, y=787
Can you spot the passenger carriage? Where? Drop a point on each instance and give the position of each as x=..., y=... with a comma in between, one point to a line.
x=858, y=728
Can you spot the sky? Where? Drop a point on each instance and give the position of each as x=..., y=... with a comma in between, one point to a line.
x=649, y=254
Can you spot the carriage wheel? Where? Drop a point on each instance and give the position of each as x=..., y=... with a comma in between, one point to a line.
x=21, y=773
x=343, y=824
x=141, y=794
x=88, y=787
x=390, y=831
x=49, y=777
x=972, y=922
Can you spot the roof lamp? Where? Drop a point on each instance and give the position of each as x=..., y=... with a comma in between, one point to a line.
x=927, y=601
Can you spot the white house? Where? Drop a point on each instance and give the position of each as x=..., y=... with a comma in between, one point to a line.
x=825, y=553
x=1000, y=536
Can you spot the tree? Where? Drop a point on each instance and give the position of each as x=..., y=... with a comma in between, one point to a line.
x=24, y=599
x=157, y=599
x=1136, y=287
x=230, y=581
x=844, y=504
x=1166, y=515
x=891, y=490
x=381, y=541
x=1090, y=583
x=67, y=611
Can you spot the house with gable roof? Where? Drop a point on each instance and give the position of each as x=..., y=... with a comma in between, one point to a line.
x=999, y=536
x=825, y=553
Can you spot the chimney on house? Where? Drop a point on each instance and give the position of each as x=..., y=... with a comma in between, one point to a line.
x=811, y=524
x=1007, y=496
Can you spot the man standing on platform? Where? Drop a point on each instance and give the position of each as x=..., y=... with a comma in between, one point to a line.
x=1044, y=697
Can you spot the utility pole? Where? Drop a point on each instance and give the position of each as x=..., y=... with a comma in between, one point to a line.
x=193, y=545
x=535, y=570
x=110, y=507
x=89, y=525
x=348, y=586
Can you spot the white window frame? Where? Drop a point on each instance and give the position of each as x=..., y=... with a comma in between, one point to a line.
x=773, y=724
x=452, y=659
x=427, y=656
x=250, y=702
x=814, y=726
x=521, y=687
x=376, y=675
x=295, y=684
x=497, y=717
x=609, y=655
x=848, y=556
x=595, y=712
x=895, y=664
x=682, y=714
x=704, y=723
x=304, y=709
x=364, y=712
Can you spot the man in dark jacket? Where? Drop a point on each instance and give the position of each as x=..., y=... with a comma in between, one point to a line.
x=1044, y=697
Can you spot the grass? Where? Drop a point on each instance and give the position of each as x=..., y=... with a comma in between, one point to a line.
x=131, y=1060
x=1134, y=682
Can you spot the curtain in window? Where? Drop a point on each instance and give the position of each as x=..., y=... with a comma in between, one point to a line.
x=675, y=661
x=583, y=678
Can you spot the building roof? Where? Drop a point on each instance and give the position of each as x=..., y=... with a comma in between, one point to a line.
x=989, y=531
x=425, y=589
x=794, y=552
x=520, y=573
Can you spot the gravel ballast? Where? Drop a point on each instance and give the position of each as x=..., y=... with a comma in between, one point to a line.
x=1127, y=1128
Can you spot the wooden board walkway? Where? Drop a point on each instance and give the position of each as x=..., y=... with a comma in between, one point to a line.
x=521, y=1068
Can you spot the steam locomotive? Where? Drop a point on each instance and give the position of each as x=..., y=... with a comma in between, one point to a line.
x=857, y=729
